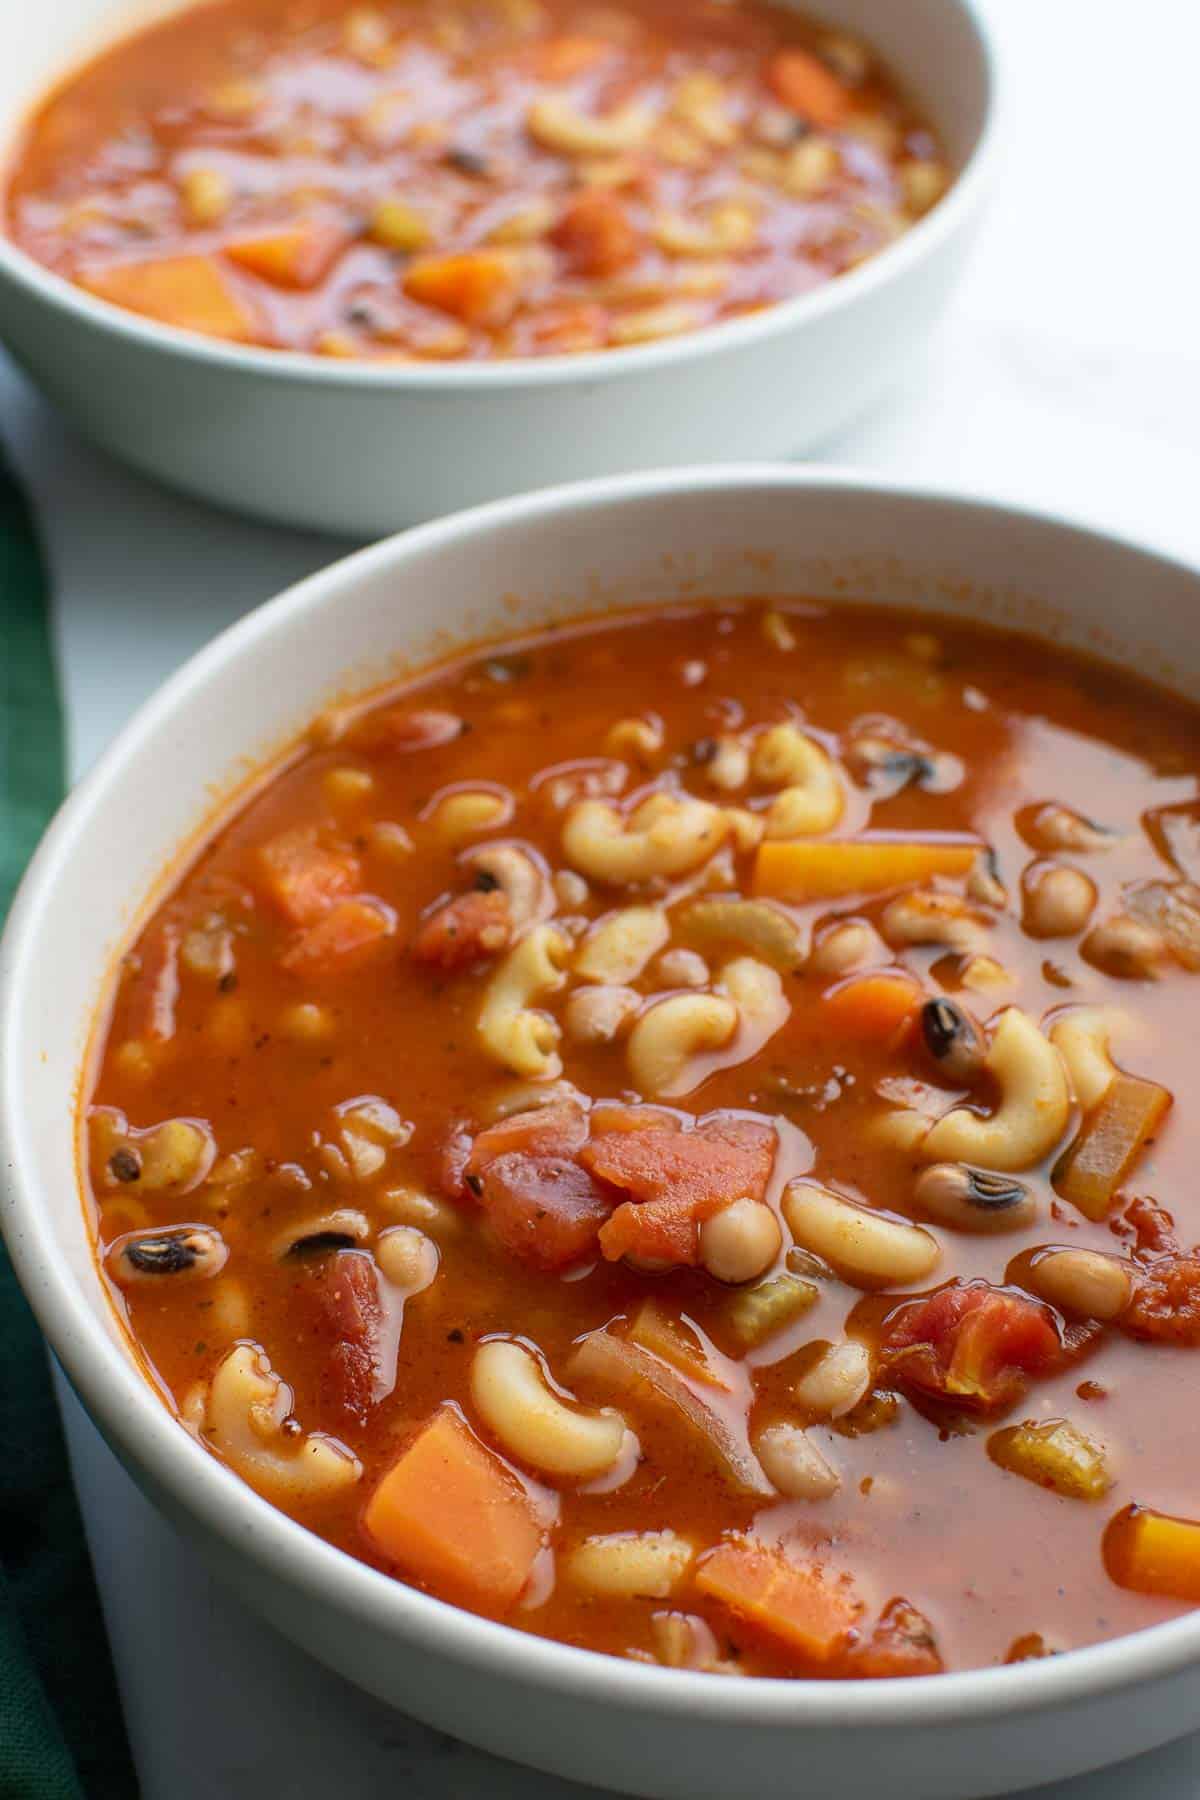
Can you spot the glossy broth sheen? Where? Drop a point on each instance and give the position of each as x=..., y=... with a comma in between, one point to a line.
x=208, y=1026
x=454, y=181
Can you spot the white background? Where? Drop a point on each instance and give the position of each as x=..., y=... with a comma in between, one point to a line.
x=1067, y=372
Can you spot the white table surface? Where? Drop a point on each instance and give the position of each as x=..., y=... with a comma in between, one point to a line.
x=1067, y=371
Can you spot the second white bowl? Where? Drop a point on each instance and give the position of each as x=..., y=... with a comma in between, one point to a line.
x=362, y=450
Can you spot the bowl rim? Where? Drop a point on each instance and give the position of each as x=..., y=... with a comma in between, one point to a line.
x=923, y=240
x=130, y=1412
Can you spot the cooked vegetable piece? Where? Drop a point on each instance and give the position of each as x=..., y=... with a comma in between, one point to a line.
x=675, y=1342
x=450, y=1513
x=1154, y=1553
x=971, y=1343
x=347, y=933
x=298, y=257
x=464, y=930
x=480, y=287
x=872, y=1009
x=1112, y=1138
x=901, y=1644
x=756, y=925
x=805, y=85
x=187, y=291
x=678, y=1179
x=1055, y=1455
x=802, y=869
x=1172, y=908
x=345, y=1299
x=304, y=876
x=755, y=1314
x=1166, y=1301
x=618, y=1368
x=798, y=1605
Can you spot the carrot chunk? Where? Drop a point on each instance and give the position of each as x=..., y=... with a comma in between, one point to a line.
x=871, y=1009
x=298, y=257
x=1110, y=1142
x=304, y=877
x=1154, y=1553
x=795, y=1604
x=799, y=869
x=187, y=291
x=807, y=87
x=480, y=287
x=449, y=1513
x=342, y=936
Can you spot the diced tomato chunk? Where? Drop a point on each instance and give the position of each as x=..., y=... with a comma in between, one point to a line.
x=1153, y=1226
x=677, y=1180
x=153, y=988
x=541, y=1204
x=556, y=1130
x=341, y=938
x=396, y=728
x=901, y=1644
x=596, y=234
x=349, y=1311
x=303, y=876
x=797, y=1605
x=972, y=1344
x=464, y=930
x=544, y=1209
x=1166, y=1302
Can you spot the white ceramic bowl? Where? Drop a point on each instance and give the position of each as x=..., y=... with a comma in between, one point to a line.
x=604, y=545
x=362, y=450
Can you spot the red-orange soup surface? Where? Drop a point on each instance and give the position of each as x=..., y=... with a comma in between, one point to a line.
x=674, y=1133
x=492, y=178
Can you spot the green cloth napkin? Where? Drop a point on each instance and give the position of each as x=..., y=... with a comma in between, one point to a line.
x=62, y=1736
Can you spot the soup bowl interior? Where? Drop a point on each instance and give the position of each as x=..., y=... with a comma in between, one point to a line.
x=429, y=437
x=197, y=745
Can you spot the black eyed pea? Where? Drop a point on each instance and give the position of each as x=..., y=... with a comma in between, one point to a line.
x=179, y=1251
x=974, y=1200
x=953, y=1040
x=741, y=1242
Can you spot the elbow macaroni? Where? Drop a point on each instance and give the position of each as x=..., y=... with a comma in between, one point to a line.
x=668, y=1039
x=669, y=834
x=1034, y=1107
x=811, y=799
x=511, y=1030
x=517, y=1404
x=618, y=948
x=244, y=1414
